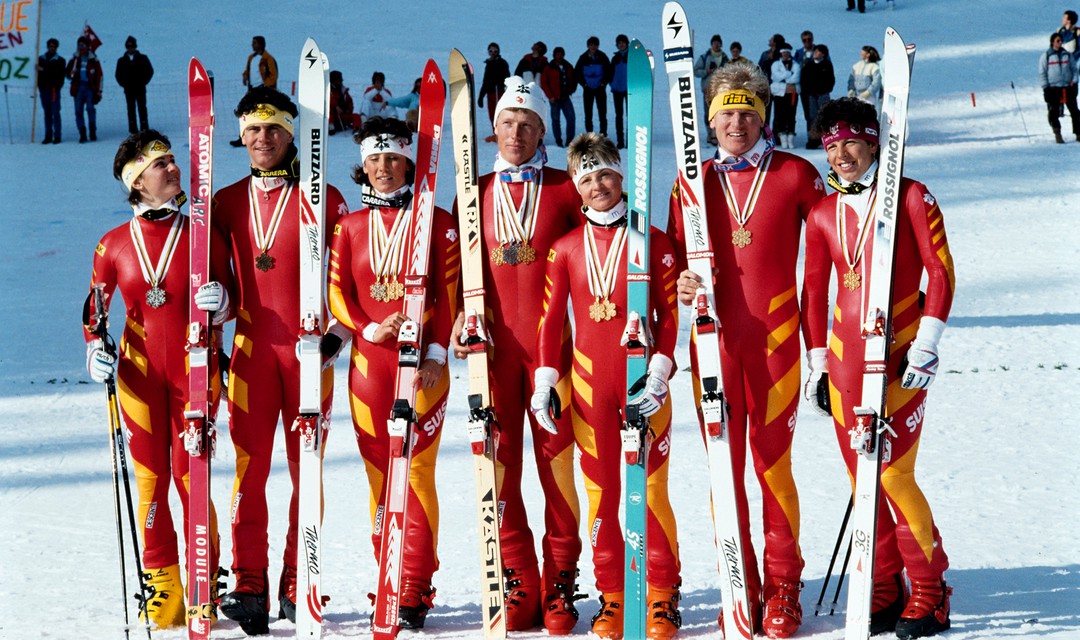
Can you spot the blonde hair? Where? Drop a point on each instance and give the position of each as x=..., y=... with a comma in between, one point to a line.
x=591, y=144
x=738, y=75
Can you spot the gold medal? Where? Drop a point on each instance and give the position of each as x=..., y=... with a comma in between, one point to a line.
x=497, y=256
x=264, y=262
x=378, y=291
x=155, y=297
x=741, y=238
x=852, y=280
x=526, y=254
x=602, y=310
x=394, y=290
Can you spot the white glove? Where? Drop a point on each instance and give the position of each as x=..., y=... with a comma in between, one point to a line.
x=545, y=404
x=816, y=389
x=333, y=342
x=100, y=364
x=213, y=297
x=656, y=386
x=922, y=358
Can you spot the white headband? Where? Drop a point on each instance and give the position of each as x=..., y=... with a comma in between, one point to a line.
x=591, y=164
x=134, y=168
x=385, y=143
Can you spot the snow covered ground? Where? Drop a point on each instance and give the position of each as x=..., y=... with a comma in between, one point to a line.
x=998, y=460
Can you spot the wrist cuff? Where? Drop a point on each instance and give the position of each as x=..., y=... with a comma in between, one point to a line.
x=929, y=334
x=436, y=352
x=660, y=366
x=545, y=377
x=369, y=332
x=818, y=359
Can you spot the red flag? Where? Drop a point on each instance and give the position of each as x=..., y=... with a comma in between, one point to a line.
x=89, y=34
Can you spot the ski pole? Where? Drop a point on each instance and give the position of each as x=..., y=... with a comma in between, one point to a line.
x=840, y=579
x=1021, y=110
x=832, y=561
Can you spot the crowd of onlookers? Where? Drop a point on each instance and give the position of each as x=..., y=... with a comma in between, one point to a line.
x=1058, y=75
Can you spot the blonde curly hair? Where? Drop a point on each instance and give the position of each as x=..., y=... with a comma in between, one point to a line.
x=738, y=75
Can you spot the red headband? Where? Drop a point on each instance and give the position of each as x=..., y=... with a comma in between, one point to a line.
x=845, y=130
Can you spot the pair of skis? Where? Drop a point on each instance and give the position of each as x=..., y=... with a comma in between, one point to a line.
x=401, y=426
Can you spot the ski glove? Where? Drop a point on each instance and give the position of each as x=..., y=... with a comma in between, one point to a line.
x=816, y=389
x=922, y=358
x=100, y=364
x=333, y=342
x=213, y=297
x=656, y=386
x=545, y=404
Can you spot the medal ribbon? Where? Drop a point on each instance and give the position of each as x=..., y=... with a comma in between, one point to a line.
x=602, y=278
x=517, y=223
x=386, y=249
x=742, y=214
x=153, y=275
x=265, y=239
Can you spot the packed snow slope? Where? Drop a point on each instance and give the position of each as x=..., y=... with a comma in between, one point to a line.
x=998, y=457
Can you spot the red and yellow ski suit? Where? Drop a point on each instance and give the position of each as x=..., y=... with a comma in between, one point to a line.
x=907, y=537
x=598, y=395
x=264, y=377
x=152, y=373
x=514, y=299
x=373, y=369
x=758, y=308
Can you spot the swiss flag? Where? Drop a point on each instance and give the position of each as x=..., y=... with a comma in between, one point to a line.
x=89, y=34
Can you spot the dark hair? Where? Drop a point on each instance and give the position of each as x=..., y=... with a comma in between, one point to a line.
x=778, y=39
x=335, y=76
x=736, y=43
x=261, y=40
x=52, y=42
x=1055, y=36
x=494, y=44
x=874, y=55
x=557, y=50
x=716, y=38
x=378, y=76
x=83, y=40
x=845, y=109
x=592, y=40
x=539, y=44
x=373, y=127
x=1071, y=15
x=131, y=147
x=622, y=38
x=806, y=33
x=824, y=49
x=264, y=95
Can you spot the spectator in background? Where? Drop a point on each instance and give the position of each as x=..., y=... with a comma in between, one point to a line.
x=593, y=74
x=559, y=84
x=864, y=82
x=817, y=82
x=802, y=56
x=765, y=61
x=618, y=88
x=1058, y=76
x=496, y=71
x=133, y=73
x=341, y=105
x=84, y=71
x=1070, y=33
x=851, y=5
x=736, y=53
x=375, y=97
x=50, y=80
x=706, y=64
x=785, y=95
x=532, y=64
x=410, y=102
x=265, y=73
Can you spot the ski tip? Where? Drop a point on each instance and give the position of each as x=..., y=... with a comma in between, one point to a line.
x=432, y=74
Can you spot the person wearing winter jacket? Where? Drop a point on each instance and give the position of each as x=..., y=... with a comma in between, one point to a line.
x=1058, y=77
x=817, y=82
x=532, y=64
x=619, y=88
x=496, y=71
x=50, y=80
x=1070, y=33
x=133, y=73
x=784, y=88
x=375, y=97
x=84, y=71
x=559, y=83
x=341, y=104
x=864, y=82
x=765, y=60
x=708, y=62
x=593, y=74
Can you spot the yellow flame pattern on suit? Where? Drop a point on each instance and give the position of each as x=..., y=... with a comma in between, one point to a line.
x=782, y=486
x=898, y=481
x=782, y=394
x=135, y=408
x=242, y=460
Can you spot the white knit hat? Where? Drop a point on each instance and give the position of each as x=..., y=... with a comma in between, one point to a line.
x=524, y=95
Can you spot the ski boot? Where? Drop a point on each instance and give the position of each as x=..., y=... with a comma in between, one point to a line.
x=560, y=593
x=287, y=594
x=663, y=620
x=608, y=621
x=887, y=604
x=248, y=604
x=522, y=599
x=417, y=597
x=927, y=611
x=164, y=603
x=783, y=613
